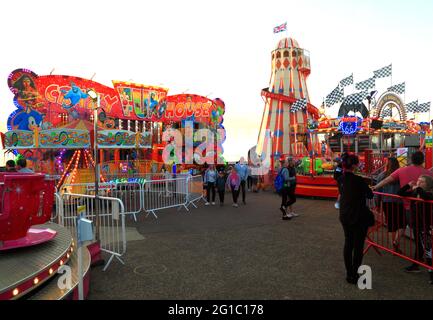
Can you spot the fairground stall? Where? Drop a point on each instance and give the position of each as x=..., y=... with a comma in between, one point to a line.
x=53, y=126
x=372, y=128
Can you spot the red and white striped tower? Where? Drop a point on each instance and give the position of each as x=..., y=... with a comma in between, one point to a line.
x=288, y=130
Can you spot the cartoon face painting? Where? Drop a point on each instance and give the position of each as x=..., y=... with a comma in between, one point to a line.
x=75, y=94
x=27, y=120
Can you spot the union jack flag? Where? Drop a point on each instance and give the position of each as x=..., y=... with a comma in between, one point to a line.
x=281, y=28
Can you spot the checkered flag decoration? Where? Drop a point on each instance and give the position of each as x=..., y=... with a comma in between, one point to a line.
x=356, y=98
x=412, y=106
x=398, y=88
x=347, y=81
x=334, y=97
x=387, y=112
x=424, y=107
x=366, y=84
x=384, y=72
x=299, y=105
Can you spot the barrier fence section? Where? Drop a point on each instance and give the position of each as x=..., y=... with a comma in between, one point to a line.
x=195, y=190
x=147, y=193
x=165, y=193
x=128, y=192
x=403, y=227
x=111, y=220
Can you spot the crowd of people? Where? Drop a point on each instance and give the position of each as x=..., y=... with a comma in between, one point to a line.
x=410, y=181
x=237, y=179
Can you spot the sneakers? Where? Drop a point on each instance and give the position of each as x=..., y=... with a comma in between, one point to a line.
x=413, y=268
x=337, y=205
x=294, y=214
x=207, y=204
x=286, y=217
x=290, y=215
x=213, y=203
x=235, y=205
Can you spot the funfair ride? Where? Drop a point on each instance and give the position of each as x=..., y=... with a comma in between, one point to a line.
x=374, y=129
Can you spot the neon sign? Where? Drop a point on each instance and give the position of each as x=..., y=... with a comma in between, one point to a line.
x=350, y=125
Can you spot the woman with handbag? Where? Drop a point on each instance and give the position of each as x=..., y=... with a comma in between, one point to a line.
x=355, y=216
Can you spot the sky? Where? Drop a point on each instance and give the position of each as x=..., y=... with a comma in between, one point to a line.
x=220, y=49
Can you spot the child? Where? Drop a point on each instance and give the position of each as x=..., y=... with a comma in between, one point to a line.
x=420, y=218
x=234, y=181
x=221, y=186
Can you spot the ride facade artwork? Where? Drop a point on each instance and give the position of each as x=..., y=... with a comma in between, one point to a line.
x=54, y=120
x=373, y=129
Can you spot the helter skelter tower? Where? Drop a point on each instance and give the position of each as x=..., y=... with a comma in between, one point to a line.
x=287, y=103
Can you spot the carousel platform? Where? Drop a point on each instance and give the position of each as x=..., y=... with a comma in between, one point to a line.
x=31, y=272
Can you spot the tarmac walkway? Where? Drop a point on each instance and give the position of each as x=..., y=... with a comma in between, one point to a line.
x=247, y=253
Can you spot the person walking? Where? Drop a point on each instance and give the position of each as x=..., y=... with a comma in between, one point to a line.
x=242, y=170
x=292, y=187
x=284, y=173
x=338, y=172
x=210, y=177
x=354, y=215
x=221, y=186
x=234, y=182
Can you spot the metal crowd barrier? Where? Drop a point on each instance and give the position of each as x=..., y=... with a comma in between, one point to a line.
x=112, y=234
x=164, y=194
x=128, y=193
x=407, y=219
x=195, y=190
x=147, y=193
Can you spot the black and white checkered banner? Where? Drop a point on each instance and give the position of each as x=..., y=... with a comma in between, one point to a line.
x=387, y=112
x=366, y=84
x=334, y=97
x=424, y=107
x=299, y=105
x=384, y=72
x=356, y=98
x=398, y=88
x=347, y=81
x=412, y=106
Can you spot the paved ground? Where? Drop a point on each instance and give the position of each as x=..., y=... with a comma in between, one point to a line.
x=247, y=253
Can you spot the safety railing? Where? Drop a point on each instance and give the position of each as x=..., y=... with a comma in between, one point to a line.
x=165, y=193
x=403, y=228
x=148, y=193
x=111, y=220
x=195, y=191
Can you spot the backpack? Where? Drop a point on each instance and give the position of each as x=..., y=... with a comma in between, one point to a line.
x=279, y=182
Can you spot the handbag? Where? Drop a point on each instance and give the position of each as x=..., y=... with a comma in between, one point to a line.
x=370, y=219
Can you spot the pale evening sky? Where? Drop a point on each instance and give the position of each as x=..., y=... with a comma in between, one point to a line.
x=218, y=48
